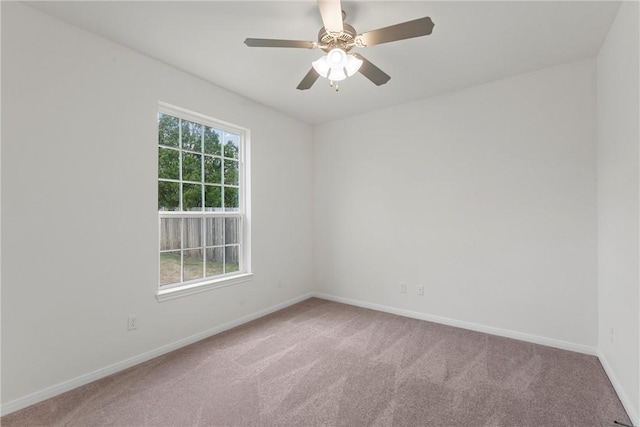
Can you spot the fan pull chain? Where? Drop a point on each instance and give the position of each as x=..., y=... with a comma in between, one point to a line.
x=331, y=84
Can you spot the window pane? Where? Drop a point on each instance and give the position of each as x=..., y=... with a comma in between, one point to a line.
x=231, y=144
x=212, y=170
x=170, y=233
x=231, y=230
x=232, y=262
x=193, y=264
x=215, y=236
x=198, y=173
x=192, y=232
x=168, y=130
x=168, y=196
x=214, y=261
x=212, y=138
x=231, y=198
x=168, y=163
x=191, y=197
x=231, y=172
x=169, y=268
x=191, y=136
x=191, y=167
x=212, y=197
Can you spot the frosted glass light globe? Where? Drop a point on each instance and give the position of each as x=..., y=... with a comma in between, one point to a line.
x=337, y=58
x=322, y=66
x=353, y=65
x=337, y=74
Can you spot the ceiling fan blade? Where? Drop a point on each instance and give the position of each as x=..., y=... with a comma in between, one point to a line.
x=279, y=43
x=370, y=71
x=308, y=80
x=331, y=12
x=406, y=30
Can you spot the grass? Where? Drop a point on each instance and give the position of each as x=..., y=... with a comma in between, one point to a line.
x=170, y=268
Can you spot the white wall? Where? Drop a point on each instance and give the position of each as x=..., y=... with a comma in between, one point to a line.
x=79, y=219
x=618, y=212
x=486, y=196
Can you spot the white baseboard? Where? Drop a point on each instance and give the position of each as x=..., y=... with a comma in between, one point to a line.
x=619, y=390
x=564, y=345
x=55, y=390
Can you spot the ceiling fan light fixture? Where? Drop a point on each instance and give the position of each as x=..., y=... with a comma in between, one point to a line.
x=337, y=58
x=353, y=65
x=337, y=74
x=321, y=66
x=337, y=65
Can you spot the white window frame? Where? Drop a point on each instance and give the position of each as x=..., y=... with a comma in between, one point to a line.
x=172, y=291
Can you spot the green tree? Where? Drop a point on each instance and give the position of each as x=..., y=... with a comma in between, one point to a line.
x=168, y=196
x=169, y=131
x=230, y=166
x=168, y=163
x=191, y=197
x=191, y=136
x=211, y=141
x=231, y=150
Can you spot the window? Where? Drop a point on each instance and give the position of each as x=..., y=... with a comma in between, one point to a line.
x=202, y=202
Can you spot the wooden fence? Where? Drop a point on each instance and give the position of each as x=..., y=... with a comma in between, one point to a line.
x=217, y=232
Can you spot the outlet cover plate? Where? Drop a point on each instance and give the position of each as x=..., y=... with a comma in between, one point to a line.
x=132, y=322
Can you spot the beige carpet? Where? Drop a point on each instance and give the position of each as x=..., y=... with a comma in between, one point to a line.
x=324, y=363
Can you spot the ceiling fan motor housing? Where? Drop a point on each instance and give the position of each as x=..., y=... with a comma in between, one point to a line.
x=343, y=40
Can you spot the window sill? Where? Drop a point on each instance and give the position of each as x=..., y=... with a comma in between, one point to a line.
x=195, y=288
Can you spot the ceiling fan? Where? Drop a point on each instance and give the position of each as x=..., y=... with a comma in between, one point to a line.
x=337, y=38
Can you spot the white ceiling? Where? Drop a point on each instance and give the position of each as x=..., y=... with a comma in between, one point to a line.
x=472, y=43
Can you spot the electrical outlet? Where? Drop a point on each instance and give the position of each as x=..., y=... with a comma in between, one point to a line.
x=420, y=289
x=133, y=322
x=403, y=288
x=611, y=335
x=279, y=283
